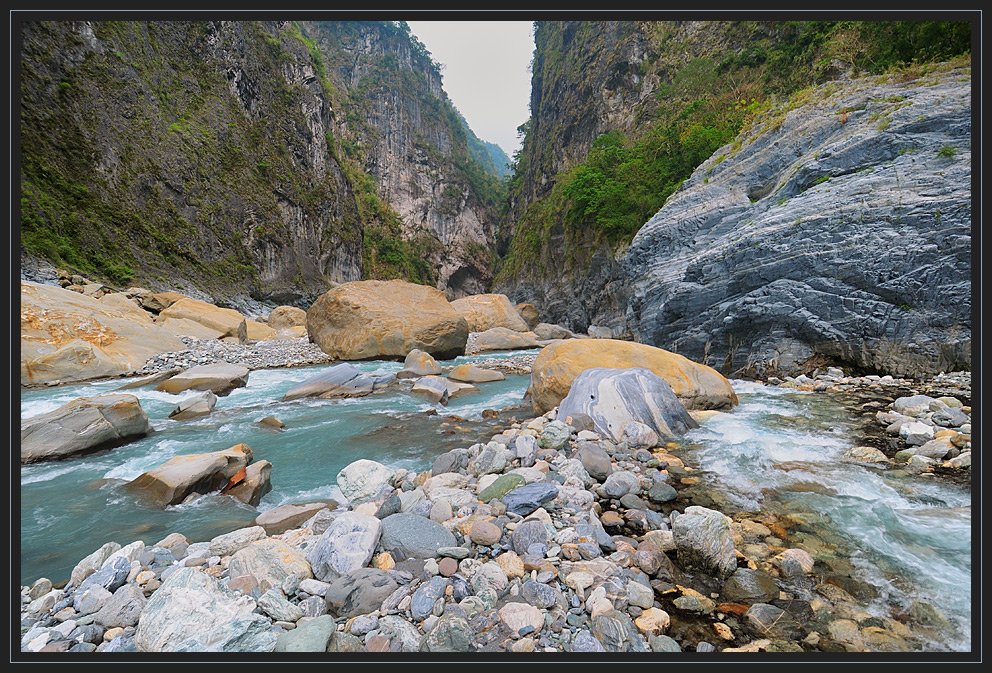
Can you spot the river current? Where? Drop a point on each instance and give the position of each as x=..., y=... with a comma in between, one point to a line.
x=907, y=536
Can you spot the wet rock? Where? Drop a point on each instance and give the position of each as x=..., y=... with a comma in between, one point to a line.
x=341, y=380
x=771, y=622
x=703, y=541
x=219, y=378
x=524, y=500
x=194, y=407
x=750, y=586
x=359, y=592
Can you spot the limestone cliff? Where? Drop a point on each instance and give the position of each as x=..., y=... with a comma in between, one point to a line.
x=231, y=159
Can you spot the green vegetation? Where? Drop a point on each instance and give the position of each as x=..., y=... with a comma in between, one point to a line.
x=948, y=151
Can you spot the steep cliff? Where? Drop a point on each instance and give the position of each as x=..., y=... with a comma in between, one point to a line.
x=623, y=112
x=837, y=230
x=240, y=158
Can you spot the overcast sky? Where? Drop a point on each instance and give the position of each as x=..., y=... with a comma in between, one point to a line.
x=485, y=73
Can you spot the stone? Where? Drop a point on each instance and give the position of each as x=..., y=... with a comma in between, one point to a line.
x=283, y=317
x=414, y=536
x=219, y=378
x=194, y=407
x=501, y=486
x=433, y=388
x=90, y=600
x=548, y=332
x=229, y=543
x=529, y=314
x=492, y=459
x=950, y=418
x=451, y=633
x=619, y=484
x=616, y=632
x=595, y=460
x=524, y=500
x=749, y=586
x=193, y=612
x=556, y=367
x=555, y=436
x=440, y=511
x=866, y=454
x=511, y=565
x=485, y=533
x=274, y=604
x=915, y=433
x=111, y=575
x=178, y=477
x=417, y=364
x=936, y=449
x=615, y=398
x=255, y=483
x=704, y=541
x=586, y=642
x=313, y=635
x=363, y=479
x=70, y=337
x=517, y=616
x=123, y=608
x=227, y=322
x=82, y=426
x=346, y=545
x=661, y=492
x=340, y=380
x=425, y=596
x=448, y=566
x=473, y=374
x=486, y=311
x=372, y=319
x=772, y=622
x=653, y=621
x=502, y=339
x=270, y=561
x=914, y=405
x=285, y=517
x=359, y=592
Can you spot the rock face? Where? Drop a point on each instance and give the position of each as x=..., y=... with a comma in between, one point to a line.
x=838, y=233
x=485, y=311
x=219, y=378
x=194, y=612
x=67, y=336
x=385, y=319
x=614, y=398
x=556, y=366
x=178, y=477
x=83, y=425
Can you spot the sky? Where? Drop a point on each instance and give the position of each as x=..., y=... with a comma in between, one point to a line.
x=486, y=73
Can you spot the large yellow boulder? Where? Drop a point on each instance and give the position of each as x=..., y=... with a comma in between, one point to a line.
x=485, y=311
x=556, y=366
x=67, y=336
x=369, y=319
x=227, y=321
x=282, y=317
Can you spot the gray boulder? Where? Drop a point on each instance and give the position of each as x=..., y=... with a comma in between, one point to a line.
x=359, y=592
x=123, y=608
x=346, y=545
x=703, y=541
x=84, y=425
x=311, y=636
x=194, y=407
x=341, y=380
x=219, y=378
x=414, y=536
x=615, y=398
x=193, y=612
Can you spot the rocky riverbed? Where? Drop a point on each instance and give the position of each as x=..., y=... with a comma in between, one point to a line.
x=543, y=537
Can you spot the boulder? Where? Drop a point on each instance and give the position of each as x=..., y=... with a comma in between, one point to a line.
x=195, y=406
x=556, y=366
x=415, y=536
x=617, y=398
x=340, y=380
x=283, y=317
x=369, y=319
x=363, y=479
x=180, y=476
x=191, y=328
x=219, y=378
x=194, y=612
x=67, y=336
x=471, y=374
x=83, y=425
x=311, y=636
x=503, y=339
x=530, y=315
x=547, y=332
x=359, y=592
x=227, y=321
x=417, y=364
x=703, y=541
x=485, y=311
x=256, y=331
x=346, y=545
x=270, y=561
x=159, y=301
x=433, y=388
x=288, y=333
x=286, y=517
x=256, y=482
x=121, y=302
